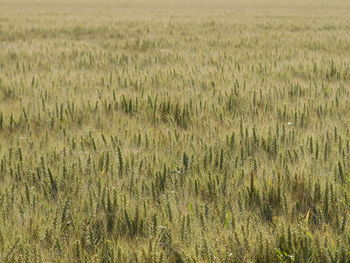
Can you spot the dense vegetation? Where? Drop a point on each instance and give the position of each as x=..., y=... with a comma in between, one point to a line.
x=174, y=131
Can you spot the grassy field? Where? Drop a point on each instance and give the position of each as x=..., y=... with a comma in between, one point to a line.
x=175, y=131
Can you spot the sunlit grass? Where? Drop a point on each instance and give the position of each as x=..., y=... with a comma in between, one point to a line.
x=174, y=132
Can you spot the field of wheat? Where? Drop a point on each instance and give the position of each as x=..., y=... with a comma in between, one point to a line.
x=174, y=131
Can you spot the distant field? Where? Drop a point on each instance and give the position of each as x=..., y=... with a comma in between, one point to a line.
x=175, y=131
